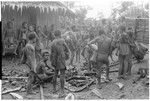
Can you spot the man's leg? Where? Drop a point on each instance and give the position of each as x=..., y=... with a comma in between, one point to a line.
x=62, y=80
x=126, y=65
x=55, y=80
x=120, y=72
x=78, y=55
x=72, y=57
x=99, y=72
x=31, y=80
x=107, y=70
x=129, y=66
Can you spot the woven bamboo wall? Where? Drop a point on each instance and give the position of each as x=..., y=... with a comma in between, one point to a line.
x=143, y=35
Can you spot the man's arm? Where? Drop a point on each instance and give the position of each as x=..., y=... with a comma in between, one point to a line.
x=93, y=41
x=53, y=55
x=66, y=49
x=23, y=57
x=31, y=57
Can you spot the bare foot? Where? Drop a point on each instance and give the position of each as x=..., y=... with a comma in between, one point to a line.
x=99, y=86
x=108, y=80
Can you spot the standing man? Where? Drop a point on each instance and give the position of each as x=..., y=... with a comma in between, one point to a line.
x=101, y=54
x=29, y=59
x=59, y=53
x=22, y=38
x=124, y=50
x=9, y=37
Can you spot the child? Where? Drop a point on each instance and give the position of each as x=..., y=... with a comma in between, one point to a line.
x=30, y=61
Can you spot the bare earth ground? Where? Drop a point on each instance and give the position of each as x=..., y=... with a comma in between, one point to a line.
x=108, y=91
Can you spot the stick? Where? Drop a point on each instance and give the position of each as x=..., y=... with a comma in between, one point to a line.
x=11, y=90
x=16, y=96
x=41, y=90
x=113, y=71
x=4, y=77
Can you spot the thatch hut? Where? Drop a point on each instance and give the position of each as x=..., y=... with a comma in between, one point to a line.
x=37, y=13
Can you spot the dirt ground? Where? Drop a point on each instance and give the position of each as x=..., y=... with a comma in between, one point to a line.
x=109, y=90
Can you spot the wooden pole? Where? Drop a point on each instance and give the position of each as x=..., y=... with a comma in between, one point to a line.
x=41, y=90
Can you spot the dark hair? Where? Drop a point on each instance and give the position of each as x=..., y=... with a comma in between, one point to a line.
x=31, y=36
x=45, y=52
x=24, y=23
x=122, y=28
x=73, y=27
x=101, y=31
x=57, y=33
x=9, y=22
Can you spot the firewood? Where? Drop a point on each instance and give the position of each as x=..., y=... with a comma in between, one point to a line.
x=16, y=96
x=11, y=90
x=41, y=90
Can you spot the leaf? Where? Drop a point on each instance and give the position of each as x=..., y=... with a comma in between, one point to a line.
x=120, y=85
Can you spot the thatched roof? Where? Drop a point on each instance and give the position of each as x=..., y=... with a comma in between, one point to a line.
x=49, y=5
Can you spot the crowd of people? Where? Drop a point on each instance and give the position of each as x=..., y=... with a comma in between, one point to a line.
x=36, y=48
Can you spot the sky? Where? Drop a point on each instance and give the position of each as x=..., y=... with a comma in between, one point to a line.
x=104, y=6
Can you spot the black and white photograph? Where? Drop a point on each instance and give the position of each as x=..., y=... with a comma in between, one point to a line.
x=75, y=50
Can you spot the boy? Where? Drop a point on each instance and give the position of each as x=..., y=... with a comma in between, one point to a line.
x=30, y=61
x=59, y=52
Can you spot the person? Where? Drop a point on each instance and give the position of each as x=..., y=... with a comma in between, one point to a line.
x=38, y=46
x=131, y=41
x=51, y=35
x=22, y=37
x=71, y=42
x=59, y=53
x=42, y=36
x=9, y=37
x=29, y=59
x=124, y=51
x=101, y=54
x=43, y=70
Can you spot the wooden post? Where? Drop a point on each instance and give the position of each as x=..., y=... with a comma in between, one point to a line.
x=41, y=90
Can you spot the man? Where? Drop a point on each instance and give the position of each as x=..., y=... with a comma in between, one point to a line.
x=38, y=46
x=124, y=50
x=29, y=59
x=42, y=37
x=9, y=37
x=44, y=72
x=22, y=37
x=59, y=53
x=131, y=41
x=71, y=42
x=101, y=55
x=51, y=35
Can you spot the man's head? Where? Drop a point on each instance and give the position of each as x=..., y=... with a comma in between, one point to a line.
x=101, y=32
x=73, y=28
x=45, y=54
x=31, y=28
x=32, y=37
x=24, y=25
x=57, y=34
x=38, y=28
x=122, y=28
x=10, y=24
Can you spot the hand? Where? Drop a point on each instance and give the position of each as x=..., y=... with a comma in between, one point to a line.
x=19, y=64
